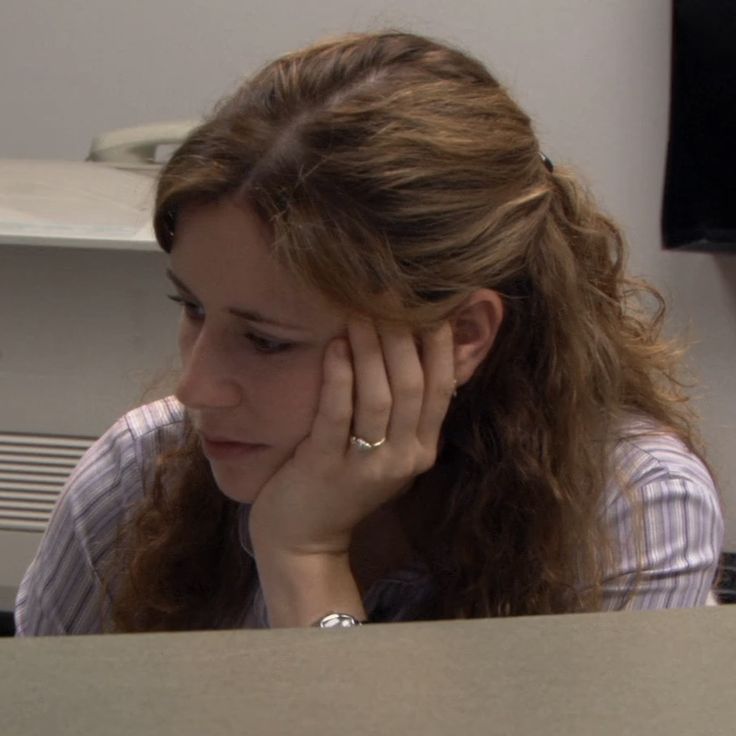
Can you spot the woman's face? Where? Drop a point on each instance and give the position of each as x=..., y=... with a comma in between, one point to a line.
x=251, y=341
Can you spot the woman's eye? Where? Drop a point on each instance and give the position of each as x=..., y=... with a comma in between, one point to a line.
x=193, y=311
x=266, y=345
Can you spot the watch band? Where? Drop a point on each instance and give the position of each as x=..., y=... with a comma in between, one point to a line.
x=335, y=620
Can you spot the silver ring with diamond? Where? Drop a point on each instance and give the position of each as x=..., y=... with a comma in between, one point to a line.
x=364, y=445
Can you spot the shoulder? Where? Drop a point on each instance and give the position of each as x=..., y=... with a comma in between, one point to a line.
x=654, y=472
x=646, y=454
x=112, y=475
x=663, y=508
x=151, y=418
x=62, y=589
x=125, y=455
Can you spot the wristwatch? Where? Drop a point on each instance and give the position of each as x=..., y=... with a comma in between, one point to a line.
x=335, y=620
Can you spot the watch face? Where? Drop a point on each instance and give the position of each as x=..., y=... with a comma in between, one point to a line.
x=338, y=621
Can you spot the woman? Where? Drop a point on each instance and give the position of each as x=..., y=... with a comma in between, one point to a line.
x=416, y=383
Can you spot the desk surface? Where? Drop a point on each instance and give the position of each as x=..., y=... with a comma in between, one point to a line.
x=656, y=673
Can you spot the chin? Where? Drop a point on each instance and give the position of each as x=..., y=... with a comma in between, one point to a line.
x=234, y=488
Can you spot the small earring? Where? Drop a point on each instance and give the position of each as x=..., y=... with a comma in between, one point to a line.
x=454, y=388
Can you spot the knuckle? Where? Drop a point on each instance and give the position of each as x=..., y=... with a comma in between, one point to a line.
x=377, y=406
x=446, y=390
x=372, y=474
x=411, y=388
x=335, y=412
x=403, y=465
x=426, y=459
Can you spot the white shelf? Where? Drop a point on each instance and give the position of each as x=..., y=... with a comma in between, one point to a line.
x=75, y=204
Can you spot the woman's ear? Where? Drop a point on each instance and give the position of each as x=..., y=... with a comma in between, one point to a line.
x=475, y=325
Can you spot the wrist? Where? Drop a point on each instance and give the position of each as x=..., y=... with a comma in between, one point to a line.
x=299, y=589
x=292, y=540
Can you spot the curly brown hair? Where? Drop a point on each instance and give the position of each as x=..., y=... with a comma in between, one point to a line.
x=391, y=162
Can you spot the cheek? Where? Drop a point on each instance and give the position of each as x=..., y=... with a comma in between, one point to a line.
x=185, y=337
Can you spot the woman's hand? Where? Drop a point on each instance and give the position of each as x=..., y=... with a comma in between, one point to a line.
x=374, y=387
x=301, y=524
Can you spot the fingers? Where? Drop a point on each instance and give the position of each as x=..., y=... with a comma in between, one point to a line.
x=373, y=392
x=397, y=389
x=378, y=387
x=407, y=381
x=439, y=377
x=334, y=415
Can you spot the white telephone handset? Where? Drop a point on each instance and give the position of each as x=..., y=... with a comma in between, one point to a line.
x=136, y=147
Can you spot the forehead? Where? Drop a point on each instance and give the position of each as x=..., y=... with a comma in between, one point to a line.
x=223, y=252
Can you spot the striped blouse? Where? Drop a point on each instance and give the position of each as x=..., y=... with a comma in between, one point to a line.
x=679, y=515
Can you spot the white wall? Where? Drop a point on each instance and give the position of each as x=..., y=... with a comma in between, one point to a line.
x=593, y=73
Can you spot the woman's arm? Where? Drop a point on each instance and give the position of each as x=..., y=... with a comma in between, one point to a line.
x=677, y=519
x=62, y=591
x=302, y=522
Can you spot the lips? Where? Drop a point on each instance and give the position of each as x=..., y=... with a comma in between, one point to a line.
x=217, y=447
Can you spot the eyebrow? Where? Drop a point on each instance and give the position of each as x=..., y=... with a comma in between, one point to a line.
x=250, y=314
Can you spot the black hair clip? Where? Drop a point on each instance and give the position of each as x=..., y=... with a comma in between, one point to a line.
x=547, y=161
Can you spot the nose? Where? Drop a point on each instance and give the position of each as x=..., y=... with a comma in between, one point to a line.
x=206, y=381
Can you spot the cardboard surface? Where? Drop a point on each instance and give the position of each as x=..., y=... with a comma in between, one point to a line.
x=665, y=672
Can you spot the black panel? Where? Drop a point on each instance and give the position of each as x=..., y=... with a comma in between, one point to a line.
x=700, y=189
x=7, y=625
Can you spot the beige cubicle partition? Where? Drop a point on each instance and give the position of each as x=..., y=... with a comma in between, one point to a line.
x=664, y=673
